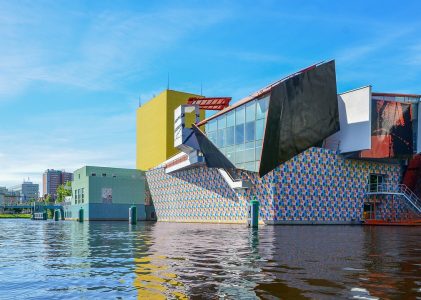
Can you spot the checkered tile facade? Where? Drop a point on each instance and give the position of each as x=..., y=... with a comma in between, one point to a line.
x=317, y=185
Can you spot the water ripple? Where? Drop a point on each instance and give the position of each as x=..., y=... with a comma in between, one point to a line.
x=115, y=260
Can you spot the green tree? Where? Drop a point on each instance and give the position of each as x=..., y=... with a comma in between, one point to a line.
x=47, y=199
x=64, y=190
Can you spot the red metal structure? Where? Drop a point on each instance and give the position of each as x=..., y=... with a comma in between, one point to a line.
x=215, y=103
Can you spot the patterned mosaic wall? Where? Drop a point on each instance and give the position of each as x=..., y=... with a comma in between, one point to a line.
x=317, y=185
x=195, y=195
x=394, y=209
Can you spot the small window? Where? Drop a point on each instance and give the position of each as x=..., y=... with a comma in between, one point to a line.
x=114, y=176
x=79, y=176
x=104, y=175
x=376, y=182
x=93, y=174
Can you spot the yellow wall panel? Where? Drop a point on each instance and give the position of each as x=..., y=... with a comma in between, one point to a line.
x=155, y=128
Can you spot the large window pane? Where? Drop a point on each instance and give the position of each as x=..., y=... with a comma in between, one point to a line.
x=260, y=128
x=258, y=152
x=229, y=139
x=239, y=147
x=239, y=157
x=231, y=118
x=262, y=107
x=250, y=166
x=239, y=115
x=249, y=155
x=239, y=134
x=222, y=122
x=231, y=153
x=250, y=131
x=249, y=152
x=221, y=138
x=211, y=125
x=212, y=136
x=250, y=111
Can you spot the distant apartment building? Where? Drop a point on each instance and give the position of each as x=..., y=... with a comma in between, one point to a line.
x=27, y=191
x=51, y=179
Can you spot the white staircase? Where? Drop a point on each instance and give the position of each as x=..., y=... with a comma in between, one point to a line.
x=234, y=181
x=396, y=189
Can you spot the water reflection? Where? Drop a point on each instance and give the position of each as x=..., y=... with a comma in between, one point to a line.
x=202, y=261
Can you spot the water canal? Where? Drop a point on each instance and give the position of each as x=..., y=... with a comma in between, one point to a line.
x=113, y=260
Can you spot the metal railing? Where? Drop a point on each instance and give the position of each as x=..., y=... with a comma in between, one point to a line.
x=396, y=189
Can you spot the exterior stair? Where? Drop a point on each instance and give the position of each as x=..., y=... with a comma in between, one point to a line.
x=234, y=181
x=397, y=189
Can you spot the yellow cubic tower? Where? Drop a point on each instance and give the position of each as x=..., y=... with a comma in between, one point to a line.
x=155, y=128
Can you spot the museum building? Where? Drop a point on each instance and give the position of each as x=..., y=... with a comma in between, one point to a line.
x=308, y=154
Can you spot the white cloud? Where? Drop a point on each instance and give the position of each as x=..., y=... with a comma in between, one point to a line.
x=52, y=44
x=369, y=47
x=112, y=47
x=104, y=144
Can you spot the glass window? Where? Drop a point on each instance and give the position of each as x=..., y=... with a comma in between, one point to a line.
x=239, y=157
x=231, y=118
x=258, y=152
x=250, y=166
x=260, y=129
x=212, y=137
x=229, y=138
x=249, y=152
x=262, y=107
x=222, y=122
x=231, y=153
x=239, y=134
x=250, y=131
x=239, y=115
x=250, y=111
x=220, y=142
x=212, y=125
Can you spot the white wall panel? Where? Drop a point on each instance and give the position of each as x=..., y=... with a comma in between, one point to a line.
x=355, y=122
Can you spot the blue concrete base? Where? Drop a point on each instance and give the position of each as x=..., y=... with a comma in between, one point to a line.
x=105, y=212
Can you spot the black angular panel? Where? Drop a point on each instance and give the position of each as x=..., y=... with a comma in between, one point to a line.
x=213, y=157
x=303, y=111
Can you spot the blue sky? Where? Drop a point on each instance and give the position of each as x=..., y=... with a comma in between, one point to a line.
x=71, y=72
